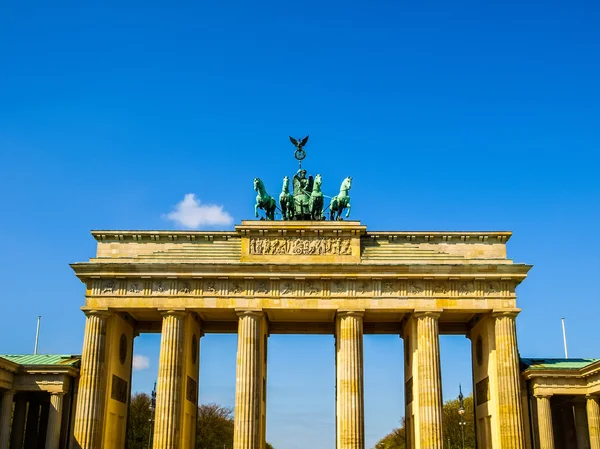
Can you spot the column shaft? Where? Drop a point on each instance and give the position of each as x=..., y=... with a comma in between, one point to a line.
x=18, y=425
x=5, y=416
x=593, y=416
x=510, y=415
x=167, y=427
x=54, y=421
x=545, y=429
x=350, y=386
x=90, y=402
x=43, y=426
x=31, y=428
x=429, y=381
x=247, y=425
x=581, y=427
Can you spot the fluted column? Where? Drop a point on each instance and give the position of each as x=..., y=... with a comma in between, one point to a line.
x=90, y=402
x=581, y=427
x=545, y=429
x=5, y=416
x=247, y=425
x=349, y=377
x=167, y=427
x=31, y=428
x=18, y=424
x=593, y=416
x=429, y=381
x=54, y=421
x=508, y=395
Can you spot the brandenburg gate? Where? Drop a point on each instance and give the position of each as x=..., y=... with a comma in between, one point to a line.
x=298, y=276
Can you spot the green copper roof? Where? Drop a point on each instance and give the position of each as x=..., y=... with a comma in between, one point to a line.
x=43, y=359
x=557, y=363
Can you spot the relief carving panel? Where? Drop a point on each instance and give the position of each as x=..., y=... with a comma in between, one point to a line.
x=320, y=246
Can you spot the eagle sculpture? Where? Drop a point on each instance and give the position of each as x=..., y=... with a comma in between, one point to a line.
x=299, y=143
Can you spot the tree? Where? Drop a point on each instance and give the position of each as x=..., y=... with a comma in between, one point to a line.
x=140, y=424
x=451, y=428
x=215, y=427
x=394, y=440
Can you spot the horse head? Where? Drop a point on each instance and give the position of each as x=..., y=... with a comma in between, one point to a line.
x=286, y=185
x=258, y=184
x=317, y=183
x=346, y=184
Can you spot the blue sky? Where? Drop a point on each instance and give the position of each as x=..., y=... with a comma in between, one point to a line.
x=475, y=115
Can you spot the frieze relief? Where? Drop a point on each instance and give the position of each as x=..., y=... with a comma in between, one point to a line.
x=287, y=288
x=339, y=287
x=390, y=288
x=318, y=246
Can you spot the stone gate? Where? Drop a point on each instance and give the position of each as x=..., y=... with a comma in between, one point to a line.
x=322, y=277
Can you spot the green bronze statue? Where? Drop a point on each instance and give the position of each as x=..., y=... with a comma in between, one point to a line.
x=315, y=203
x=341, y=201
x=264, y=201
x=307, y=200
x=302, y=190
x=286, y=200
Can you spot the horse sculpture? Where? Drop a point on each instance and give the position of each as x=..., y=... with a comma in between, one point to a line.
x=315, y=204
x=263, y=200
x=341, y=201
x=286, y=200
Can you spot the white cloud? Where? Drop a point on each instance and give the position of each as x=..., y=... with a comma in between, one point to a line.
x=140, y=362
x=191, y=214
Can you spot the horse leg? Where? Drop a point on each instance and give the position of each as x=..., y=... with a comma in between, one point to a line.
x=256, y=210
x=348, y=213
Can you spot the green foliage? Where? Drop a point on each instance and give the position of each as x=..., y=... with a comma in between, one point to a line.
x=140, y=425
x=395, y=440
x=451, y=428
x=213, y=431
x=215, y=427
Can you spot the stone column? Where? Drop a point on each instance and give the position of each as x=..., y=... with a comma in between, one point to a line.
x=31, y=428
x=5, y=416
x=247, y=425
x=508, y=392
x=429, y=381
x=581, y=427
x=593, y=416
x=18, y=425
x=90, y=402
x=43, y=426
x=545, y=429
x=54, y=421
x=167, y=427
x=349, y=379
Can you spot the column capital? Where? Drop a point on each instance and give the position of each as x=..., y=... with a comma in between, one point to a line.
x=592, y=396
x=57, y=393
x=542, y=395
x=350, y=312
x=250, y=312
x=434, y=313
x=511, y=313
x=172, y=312
x=101, y=313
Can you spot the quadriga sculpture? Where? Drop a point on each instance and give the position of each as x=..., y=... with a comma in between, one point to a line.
x=341, y=201
x=286, y=200
x=315, y=204
x=263, y=200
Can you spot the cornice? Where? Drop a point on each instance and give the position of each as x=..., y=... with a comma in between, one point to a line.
x=578, y=373
x=264, y=228
x=129, y=268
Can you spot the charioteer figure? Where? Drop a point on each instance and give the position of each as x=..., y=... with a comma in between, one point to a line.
x=307, y=200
